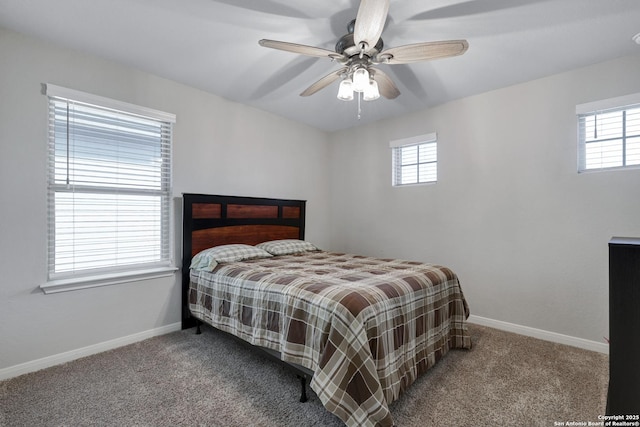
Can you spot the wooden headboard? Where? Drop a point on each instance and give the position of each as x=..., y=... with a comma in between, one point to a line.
x=209, y=220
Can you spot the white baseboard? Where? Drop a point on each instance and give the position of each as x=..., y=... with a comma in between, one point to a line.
x=57, y=359
x=541, y=334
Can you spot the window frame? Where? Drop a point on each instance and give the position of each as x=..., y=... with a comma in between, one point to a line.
x=599, y=108
x=163, y=266
x=427, y=141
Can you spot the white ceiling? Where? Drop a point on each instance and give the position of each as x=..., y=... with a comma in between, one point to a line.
x=213, y=45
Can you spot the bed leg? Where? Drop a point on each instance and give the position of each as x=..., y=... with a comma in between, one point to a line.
x=198, y=331
x=303, y=384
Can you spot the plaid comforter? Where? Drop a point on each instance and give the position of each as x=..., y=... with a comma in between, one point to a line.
x=366, y=327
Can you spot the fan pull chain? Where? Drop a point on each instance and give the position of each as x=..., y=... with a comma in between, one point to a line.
x=359, y=108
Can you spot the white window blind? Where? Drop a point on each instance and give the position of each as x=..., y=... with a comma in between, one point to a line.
x=109, y=185
x=415, y=160
x=609, y=134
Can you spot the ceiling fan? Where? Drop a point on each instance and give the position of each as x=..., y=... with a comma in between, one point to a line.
x=362, y=48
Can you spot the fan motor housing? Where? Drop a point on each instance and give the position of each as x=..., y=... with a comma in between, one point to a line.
x=347, y=46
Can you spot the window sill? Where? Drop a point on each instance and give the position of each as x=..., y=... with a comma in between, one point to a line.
x=65, y=285
x=611, y=169
x=414, y=184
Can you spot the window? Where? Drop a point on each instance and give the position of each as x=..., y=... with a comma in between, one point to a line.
x=609, y=134
x=415, y=160
x=109, y=186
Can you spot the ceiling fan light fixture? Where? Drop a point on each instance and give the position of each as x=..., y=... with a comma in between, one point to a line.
x=362, y=49
x=345, y=91
x=371, y=92
x=360, y=79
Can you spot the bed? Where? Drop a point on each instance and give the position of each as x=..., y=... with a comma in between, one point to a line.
x=362, y=328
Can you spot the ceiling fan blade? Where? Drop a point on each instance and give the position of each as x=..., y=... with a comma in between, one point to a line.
x=386, y=86
x=422, y=52
x=302, y=49
x=370, y=20
x=324, y=82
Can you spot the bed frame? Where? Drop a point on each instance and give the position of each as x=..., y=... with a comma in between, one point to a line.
x=211, y=220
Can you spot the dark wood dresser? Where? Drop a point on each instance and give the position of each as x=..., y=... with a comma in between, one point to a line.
x=624, y=327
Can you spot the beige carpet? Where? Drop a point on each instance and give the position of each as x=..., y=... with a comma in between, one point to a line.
x=182, y=379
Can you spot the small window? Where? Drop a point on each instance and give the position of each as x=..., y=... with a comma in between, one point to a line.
x=109, y=185
x=609, y=134
x=415, y=160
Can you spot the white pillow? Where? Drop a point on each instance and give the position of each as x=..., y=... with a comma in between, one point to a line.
x=208, y=259
x=287, y=246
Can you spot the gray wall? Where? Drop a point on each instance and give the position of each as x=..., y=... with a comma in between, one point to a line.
x=526, y=233
x=220, y=147
x=510, y=214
